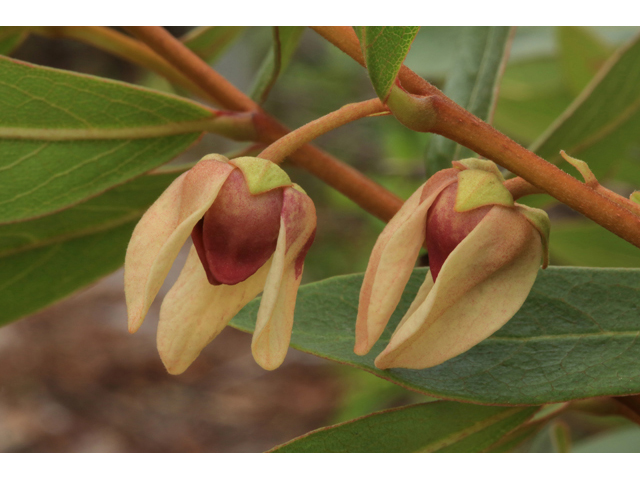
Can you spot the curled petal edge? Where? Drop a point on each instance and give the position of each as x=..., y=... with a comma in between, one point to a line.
x=482, y=284
x=194, y=312
x=392, y=261
x=275, y=316
x=164, y=228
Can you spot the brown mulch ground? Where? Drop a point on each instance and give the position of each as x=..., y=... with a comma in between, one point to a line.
x=72, y=379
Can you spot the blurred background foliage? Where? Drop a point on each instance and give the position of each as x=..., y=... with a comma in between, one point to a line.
x=547, y=69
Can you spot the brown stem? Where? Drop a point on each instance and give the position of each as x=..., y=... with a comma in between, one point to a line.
x=124, y=47
x=454, y=122
x=196, y=69
x=346, y=40
x=292, y=141
x=369, y=195
x=519, y=188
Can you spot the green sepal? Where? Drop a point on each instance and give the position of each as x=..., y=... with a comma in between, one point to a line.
x=478, y=164
x=635, y=196
x=261, y=175
x=477, y=188
x=540, y=221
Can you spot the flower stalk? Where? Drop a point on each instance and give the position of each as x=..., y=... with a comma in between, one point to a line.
x=454, y=122
x=366, y=193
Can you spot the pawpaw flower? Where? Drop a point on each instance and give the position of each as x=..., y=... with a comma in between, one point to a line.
x=484, y=249
x=251, y=229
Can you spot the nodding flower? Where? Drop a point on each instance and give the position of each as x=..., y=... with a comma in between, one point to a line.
x=251, y=229
x=484, y=249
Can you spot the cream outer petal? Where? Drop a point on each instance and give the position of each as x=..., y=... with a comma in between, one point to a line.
x=482, y=284
x=275, y=316
x=194, y=312
x=162, y=231
x=392, y=261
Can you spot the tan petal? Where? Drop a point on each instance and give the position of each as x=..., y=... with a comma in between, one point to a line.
x=482, y=284
x=194, y=312
x=392, y=261
x=162, y=231
x=275, y=316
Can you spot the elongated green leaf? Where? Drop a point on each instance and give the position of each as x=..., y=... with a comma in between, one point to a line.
x=384, y=50
x=47, y=259
x=428, y=427
x=601, y=126
x=65, y=137
x=586, y=244
x=123, y=204
x=31, y=280
x=575, y=337
x=211, y=42
x=472, y=83
x=583, y=53
x=285, y=42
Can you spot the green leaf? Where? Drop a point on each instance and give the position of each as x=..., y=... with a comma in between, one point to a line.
x=586, y=244
x=384, y=50
x=575, y=337
x=31, y=280
x=532, y=96
x=513, y=440
x=472, y=83
x=10, y=39
x=65, y=137
x=209, y=43
x=601, y=126
x=285, y=42
x=44, y=260
x=123, y=204
x=582, y=53
x=428, y=427
x=528, y=430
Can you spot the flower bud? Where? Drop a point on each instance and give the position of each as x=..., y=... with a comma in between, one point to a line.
x=251, y=228
x=484, y=254
x=239, y=232
x=447, y=228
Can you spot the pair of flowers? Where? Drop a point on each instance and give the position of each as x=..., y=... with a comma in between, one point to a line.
x=252, y=227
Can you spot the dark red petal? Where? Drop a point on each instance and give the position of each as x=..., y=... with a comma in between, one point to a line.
x=239, y=233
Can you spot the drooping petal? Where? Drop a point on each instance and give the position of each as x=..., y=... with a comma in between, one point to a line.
x=275, y=316
x=163, y=229
x=392, y=261
x=482, y=284
x=194, y=312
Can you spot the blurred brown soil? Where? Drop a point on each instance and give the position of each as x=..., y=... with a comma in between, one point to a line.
x=72, y=379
